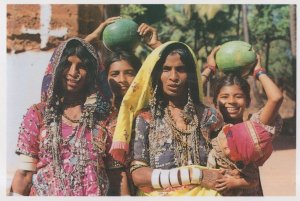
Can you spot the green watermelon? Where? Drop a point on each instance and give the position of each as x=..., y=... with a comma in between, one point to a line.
x=122, y=34
x=236, y=57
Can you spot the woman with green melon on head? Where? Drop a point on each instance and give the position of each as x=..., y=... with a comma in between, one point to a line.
x=121, y=67
x=231, y=98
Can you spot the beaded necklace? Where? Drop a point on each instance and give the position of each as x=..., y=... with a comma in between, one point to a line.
x=185, y=140
x=75, y=121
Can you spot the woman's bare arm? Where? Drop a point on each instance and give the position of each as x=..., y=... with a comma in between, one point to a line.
x=274, y=95
x=22, y=182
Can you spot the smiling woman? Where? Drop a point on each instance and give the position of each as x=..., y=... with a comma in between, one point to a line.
x=121, y=68
x=74, y=77
x=61, y=150
x=231, y=98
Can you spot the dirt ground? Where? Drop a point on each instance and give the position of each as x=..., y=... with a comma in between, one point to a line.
x=278, y=174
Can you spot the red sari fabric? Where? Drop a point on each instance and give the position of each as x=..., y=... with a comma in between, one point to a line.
x=249, y=142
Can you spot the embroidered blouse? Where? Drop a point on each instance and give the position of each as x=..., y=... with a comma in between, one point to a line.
x=32, y=140
x=108, y=126
x=158, y=147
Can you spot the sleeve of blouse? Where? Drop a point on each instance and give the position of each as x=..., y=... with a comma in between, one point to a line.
x=274, y=128
x=28, y=139
x=211, y=159
x=141, y=141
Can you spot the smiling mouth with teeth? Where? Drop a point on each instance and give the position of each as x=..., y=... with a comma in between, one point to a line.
x=232, y=109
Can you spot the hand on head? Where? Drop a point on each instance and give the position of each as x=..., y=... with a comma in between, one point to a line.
x=149, y=35
x=110, y=20
x=97, y=33
x=258, y=63
x=211, y=57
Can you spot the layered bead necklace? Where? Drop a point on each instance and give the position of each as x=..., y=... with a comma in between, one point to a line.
x=185, y=139
x=74, y=121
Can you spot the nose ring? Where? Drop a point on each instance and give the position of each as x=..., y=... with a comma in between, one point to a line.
x=178, y=81
x=78, y=77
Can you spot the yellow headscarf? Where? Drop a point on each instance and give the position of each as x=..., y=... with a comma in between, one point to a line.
x=137, y=98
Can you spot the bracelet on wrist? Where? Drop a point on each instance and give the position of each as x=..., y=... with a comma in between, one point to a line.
x=211, y=67
x=259, y=72
x=155, y=179
x=196, y=175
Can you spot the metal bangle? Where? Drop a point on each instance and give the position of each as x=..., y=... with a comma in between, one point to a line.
x=259, y=73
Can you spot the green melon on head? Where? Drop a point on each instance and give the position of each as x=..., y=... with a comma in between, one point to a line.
x=236, y=57
x=122, y=34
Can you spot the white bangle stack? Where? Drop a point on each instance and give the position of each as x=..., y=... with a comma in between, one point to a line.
x=170, y=178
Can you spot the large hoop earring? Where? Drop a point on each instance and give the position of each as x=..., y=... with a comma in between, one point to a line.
x=155, y=104
x=189, y=109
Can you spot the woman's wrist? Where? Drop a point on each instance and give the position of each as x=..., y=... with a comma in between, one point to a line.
x=258, y=72
x=212, y=68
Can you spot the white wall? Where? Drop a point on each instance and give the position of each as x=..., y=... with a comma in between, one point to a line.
x=24, y=74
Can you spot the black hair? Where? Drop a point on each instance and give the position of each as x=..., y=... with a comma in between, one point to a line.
x=75, y=48
x=229, y=80
x=120, y=55
x=187, y=59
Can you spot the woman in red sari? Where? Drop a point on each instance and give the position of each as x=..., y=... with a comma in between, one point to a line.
x=231, y=98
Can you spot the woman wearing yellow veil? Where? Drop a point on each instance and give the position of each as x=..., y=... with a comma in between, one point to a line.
x=172, y=126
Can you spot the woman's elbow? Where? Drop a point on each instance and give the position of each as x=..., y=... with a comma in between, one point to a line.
x=276, y=99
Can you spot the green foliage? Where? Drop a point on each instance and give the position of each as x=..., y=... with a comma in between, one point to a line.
x=147, y=13
x=269, y=24
x=132, y=10
x=280, y=66
x=269, y=20
x=204, y=26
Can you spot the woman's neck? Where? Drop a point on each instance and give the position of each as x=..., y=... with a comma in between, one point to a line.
x=177, y=102
x=233, y=121
x=73, y=100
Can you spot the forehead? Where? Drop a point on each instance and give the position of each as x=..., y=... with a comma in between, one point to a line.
x=173, y=59
x=231, y=89
x=74, y=59
x=121, y=65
